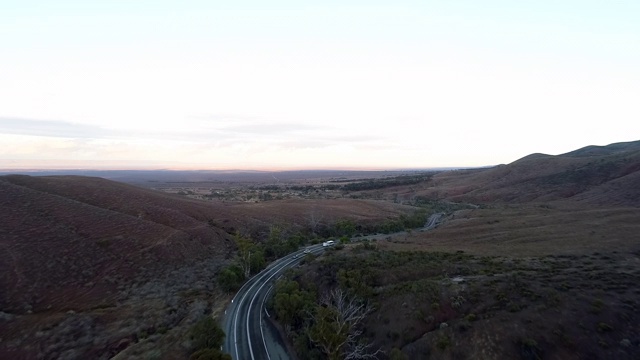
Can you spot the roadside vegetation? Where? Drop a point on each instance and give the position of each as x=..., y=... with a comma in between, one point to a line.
x=440, y=206
x=540, y=263
x=252, y=256
x=418, y=304
x=206, y=339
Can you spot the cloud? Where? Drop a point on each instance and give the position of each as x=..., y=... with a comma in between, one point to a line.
x=270, y=128
x=217, y=137
x=51, y=128
x=247, y=125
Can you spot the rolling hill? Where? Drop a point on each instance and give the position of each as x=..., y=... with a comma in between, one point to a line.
x=597, y=175
x=71, y=240
x=536, y=259
x=84, y=251
x=93, y=268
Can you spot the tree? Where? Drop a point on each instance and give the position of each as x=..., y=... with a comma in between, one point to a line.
x=314, y=221
x=230, y=278
x=291, y=303
x=209, y=354
x=257, y=260
x=337, y=327
x=397, y=354
x=206, y=334
x=345, y=227
x=245, y=248
x=328, y=332
x=275, y=245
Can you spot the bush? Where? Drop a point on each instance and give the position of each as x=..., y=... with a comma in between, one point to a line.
x=206, y=334
x=209, y=354
x=529, y=349
x=443, y=342
x=231, y=278
x=604, y=327
x=397, y=354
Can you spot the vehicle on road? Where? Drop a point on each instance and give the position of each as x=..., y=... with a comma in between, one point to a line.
x=328, y=243
x=307, y=251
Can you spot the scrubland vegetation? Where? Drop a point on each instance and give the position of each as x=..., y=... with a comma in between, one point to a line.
x=537, y=259
x=425, y=304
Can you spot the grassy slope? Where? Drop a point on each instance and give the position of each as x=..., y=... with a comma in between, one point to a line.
x=550, y=262
x=539, y=282
x=98, y=268
x=585, y=175
x=503, y=307
x=68, y=237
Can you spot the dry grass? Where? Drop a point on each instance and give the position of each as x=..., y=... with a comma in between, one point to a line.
x=527, y=230
x=133, y=267
x=454, y=305
x=93, y=268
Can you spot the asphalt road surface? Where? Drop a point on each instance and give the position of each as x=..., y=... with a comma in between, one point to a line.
x=432, y=221
x=249, y=333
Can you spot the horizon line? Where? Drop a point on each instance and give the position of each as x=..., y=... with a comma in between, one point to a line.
x=283, y=169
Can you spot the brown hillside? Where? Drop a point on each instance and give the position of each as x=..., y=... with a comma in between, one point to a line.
x=543, y=264
x=598, y=175
x=79, y=232
x=95, y=266
x=64, y=253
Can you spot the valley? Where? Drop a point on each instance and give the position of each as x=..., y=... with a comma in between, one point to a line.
x=536, y=259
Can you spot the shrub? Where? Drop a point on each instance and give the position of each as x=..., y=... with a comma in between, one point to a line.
x=209, y=354
x=596, y=306
x=103, y=243
x=231, y=278
x=206, y=334
x=604, y=327
x=443, y=342
x=529, y=349
x=397, y=354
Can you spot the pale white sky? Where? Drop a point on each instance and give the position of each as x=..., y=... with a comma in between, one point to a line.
x=313, y=84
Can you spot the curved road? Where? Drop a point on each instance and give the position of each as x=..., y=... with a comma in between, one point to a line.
x=432, y=221
x=249, y=334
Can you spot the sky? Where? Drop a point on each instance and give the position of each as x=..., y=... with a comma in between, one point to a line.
x=274, y=85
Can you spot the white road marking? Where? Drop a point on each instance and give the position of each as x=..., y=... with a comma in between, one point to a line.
x=275, y=268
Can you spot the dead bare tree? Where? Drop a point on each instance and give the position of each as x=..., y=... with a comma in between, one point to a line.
x=337, y=329
x=314, y=220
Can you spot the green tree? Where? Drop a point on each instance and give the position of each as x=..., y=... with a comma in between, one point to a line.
x=345, y=227
x=397, y=354
x=257, y=260
x=209, y=354
x=275, y=245
x=230, y=278
x=206, y=334
x=328, y=333
x=356, y=282
x=291, y=304
x=246, y=247
x=295, y=241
